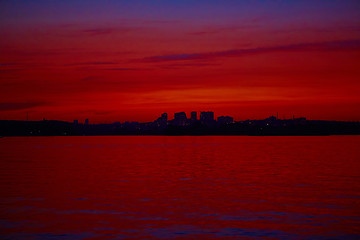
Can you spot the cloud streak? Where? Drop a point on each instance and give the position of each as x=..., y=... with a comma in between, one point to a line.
x=221, y=30
x=9, y=106
x=121, y=69
x=317, y=46
x=188, y=64
x=99, y=31
x=107, y=30
x=90, y=63
x=8, y=64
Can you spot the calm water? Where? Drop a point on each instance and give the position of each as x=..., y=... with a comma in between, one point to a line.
x=146, y=187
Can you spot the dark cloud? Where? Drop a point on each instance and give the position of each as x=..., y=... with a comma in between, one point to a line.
x=182, y=65
x=103, y=112
x=121, y=69
x=109, y=69
x=161, y=22
x=90, y=63
x=99, y=31
x=11, y=70
x=36, y=52
x=333, y=28
x=218, y=30
x=107, y=30
x=317, y=46
x=8, y=106
x=91, y=78
x=205, y=32
x=8, y=64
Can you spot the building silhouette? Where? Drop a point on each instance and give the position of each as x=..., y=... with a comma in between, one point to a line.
x=225, y=120
x=180, y=125
x=207, y=118
x=180, y=119
x=161, y=122
x=193, y=116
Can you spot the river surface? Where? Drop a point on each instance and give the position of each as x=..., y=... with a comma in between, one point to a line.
x=182, y=187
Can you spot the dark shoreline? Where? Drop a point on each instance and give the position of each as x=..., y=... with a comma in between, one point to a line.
x=154, y=135
x=245, y=128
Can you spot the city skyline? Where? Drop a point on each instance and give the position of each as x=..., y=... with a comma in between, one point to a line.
x=130, y=60
x=193, y=116
x=203, y=124
x=180, y=119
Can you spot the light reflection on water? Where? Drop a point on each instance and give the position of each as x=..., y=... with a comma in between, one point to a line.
x=161, y=187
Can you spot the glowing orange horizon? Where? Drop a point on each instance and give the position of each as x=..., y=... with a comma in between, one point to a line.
x=134, y=68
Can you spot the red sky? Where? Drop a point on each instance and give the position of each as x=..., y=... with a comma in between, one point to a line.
x=133, y=60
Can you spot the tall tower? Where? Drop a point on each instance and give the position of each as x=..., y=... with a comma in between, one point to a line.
x=180, y=119
x=193, y=116
x=207, y=118
x=164, y=117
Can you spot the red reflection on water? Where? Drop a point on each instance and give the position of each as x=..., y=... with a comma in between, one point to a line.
x=180, y=187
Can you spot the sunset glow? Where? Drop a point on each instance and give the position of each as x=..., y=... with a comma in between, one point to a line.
x=121, y=61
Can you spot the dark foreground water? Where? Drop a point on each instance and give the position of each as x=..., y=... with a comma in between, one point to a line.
x=146, y=187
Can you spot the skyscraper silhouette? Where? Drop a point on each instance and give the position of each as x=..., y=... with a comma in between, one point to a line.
x=193, y=116
x=207, y=118
x=180, y=119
